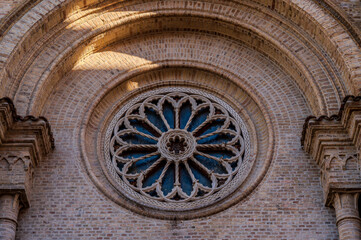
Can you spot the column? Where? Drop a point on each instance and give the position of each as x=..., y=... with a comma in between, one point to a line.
x=9, y=210
x=347, y=217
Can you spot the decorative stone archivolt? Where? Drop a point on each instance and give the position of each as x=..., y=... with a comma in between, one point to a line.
x=177, y=148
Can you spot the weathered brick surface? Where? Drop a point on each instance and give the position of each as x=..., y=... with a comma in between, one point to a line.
x=287, y=204
x=334, y=43
x=352, y=8
x=7, y=6
x=281, y=60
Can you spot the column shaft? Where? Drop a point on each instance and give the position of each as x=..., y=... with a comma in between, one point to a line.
x=347, y=216
x=9, y=210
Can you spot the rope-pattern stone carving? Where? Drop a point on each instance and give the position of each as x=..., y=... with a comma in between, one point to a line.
x=176, y=147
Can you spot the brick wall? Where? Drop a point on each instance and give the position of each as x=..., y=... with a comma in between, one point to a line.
x=6, y=6
x=281, y=60
x=288, y=203
x=352, y=8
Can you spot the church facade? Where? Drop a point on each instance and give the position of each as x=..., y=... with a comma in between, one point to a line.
x=180, y=119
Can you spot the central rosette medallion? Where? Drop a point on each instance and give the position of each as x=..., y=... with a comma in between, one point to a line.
x=177, y=145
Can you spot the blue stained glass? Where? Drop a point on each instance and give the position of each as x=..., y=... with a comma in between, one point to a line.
x=121, y=127
x=151, y=177
x=175, y=146
x=168, y=180
x=231, y=126
x=185, y=113
x=201, y=192
x=216, y=139
x=234, y=165
x=211, y=164
x=212, y=126
x=143, y=164
x=137, y=139
x=120, y=165
x=185, y=179
x=153, y=193
x=155, y=118
x=199, y=118
x=141, y=126
x=200, y=176
x=168, y=112
x=133, y=182
x=199, y=101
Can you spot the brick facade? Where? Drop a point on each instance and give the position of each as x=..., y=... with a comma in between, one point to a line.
x=352, y=8
x=78, y=62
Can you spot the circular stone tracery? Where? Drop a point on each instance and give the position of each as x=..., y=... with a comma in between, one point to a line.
x=176, y=145
x=177, y=149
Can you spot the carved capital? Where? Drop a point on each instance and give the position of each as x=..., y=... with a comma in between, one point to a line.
x=345, y=205
x=339, y=171
x=9, y=210
x=334, y=143
x=9, y=207
x=347, y=217
x=16, y=173
x=23, y=142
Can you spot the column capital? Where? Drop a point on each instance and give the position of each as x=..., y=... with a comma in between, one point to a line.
x=346, y=206
x=347, y=217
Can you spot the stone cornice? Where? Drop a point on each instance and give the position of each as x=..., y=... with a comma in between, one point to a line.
x=342, y=116
x=9, y=116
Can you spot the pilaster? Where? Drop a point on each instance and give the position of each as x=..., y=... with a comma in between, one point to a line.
x=334, y=143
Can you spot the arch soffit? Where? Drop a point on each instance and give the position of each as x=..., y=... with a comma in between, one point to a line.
x=69, y=9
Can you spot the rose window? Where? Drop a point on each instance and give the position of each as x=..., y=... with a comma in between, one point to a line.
x=177, y=147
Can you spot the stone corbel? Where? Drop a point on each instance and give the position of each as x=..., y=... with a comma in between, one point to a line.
x=334, y=143
x=23, y=143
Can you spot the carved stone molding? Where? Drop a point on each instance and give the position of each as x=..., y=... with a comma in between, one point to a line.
x=334, y=143
x=23, y=142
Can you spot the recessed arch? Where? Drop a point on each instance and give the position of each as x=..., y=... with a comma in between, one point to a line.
x=70, y=11
x=103, y=36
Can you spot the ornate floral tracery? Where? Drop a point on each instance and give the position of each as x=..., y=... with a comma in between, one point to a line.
x=175, y=146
